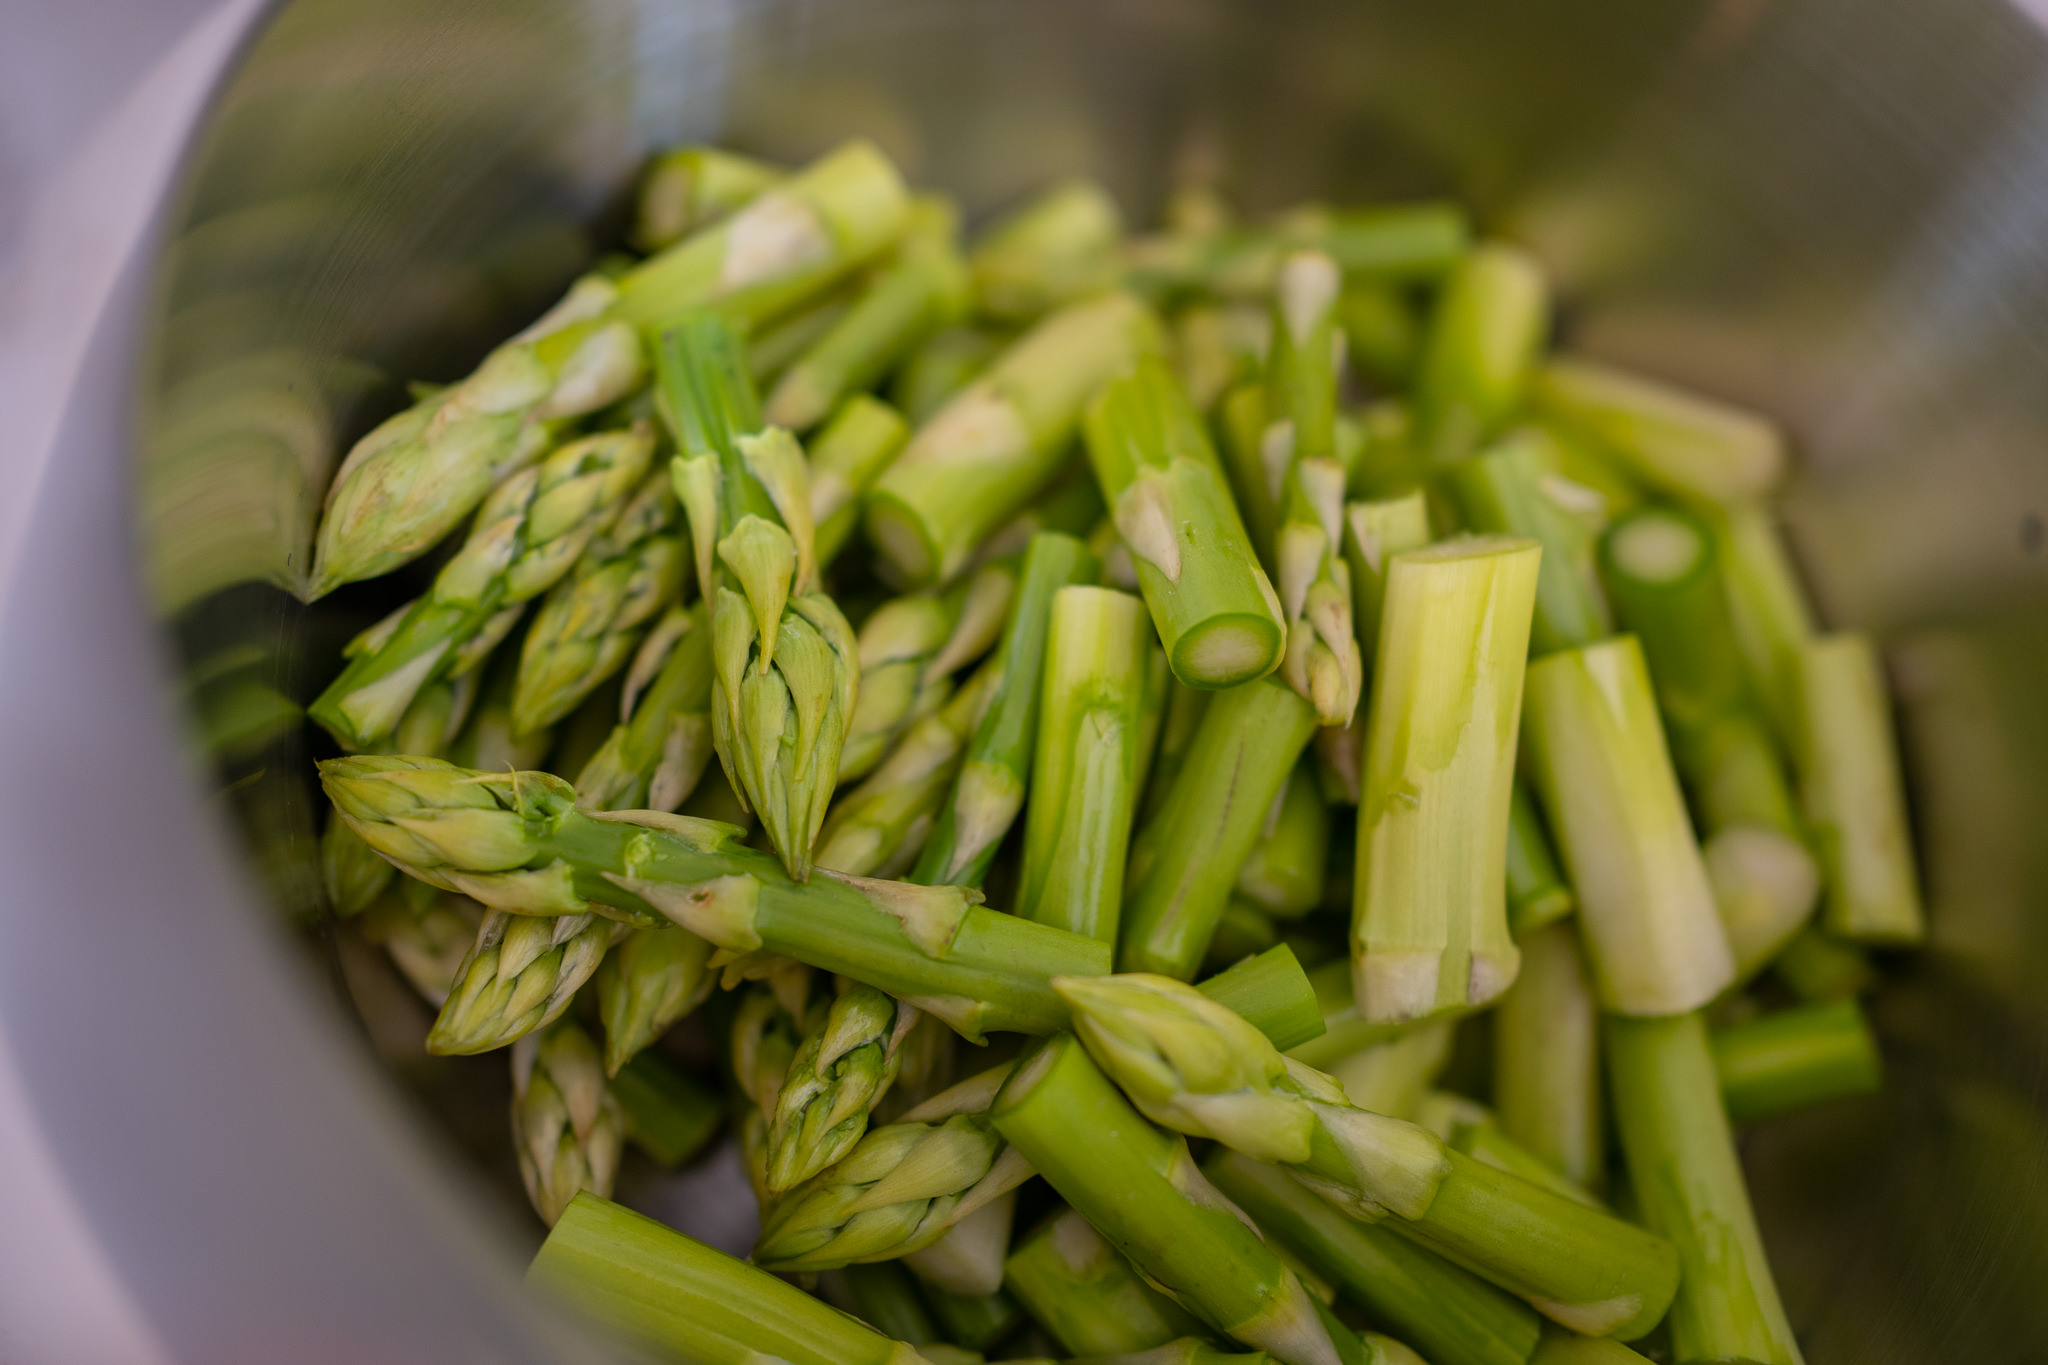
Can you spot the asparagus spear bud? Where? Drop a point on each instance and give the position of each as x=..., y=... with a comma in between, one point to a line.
x=355, y=877
x=519, y=976
x=1604, y=776
x=1215, y=609
x=1186, y=857
x=864, y=435
x=670, y=1115
x=567, y=1128
x=689, y=188
x=997, y=442
x=1688, y=1184
x=1854, y=798
x=1537, y=893
x=1140, y=1187
x=1085, y=772
x=1768, y=609
x=784, y=669
x=988, y=793
x=1287, y=868
x=673, y=1294
x=517, y=841
x=1546, y=1057
x=1086, y=1294
x=1684, y=444
x=1481, y=350
x=837, y=1075
x=947, y=363
x=1514, y=489
x=428, y=943
x=1057, y=248
x=909, y=650
x=653, y=978
x=655, y=759
x=1788, y=1060
x=1430, y=929
x=924, y=289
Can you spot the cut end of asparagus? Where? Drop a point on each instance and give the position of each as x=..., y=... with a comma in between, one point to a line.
x=1227, y=650
x=1657, y=547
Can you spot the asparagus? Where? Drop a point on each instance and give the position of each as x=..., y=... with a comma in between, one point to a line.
x=653, y=978
x=976, y=1321
x=1374, y=532
x=838, y=1073
x=669, y=1115
x=847, y=456
x=981, y=457
x=1853, y=796
x=1478, y=358
x=925, y=288
x=1345, y=1032
x=1430, y=930
x=1470, y=1127
x=1382, y=334
x=1057, y=248
x=1214, y=608
x=1546, y=1057
x=1243, y=930
x=656, y=757
x=909, y=649
x=668, y=1292
x=1603, y=773
x=1815, y=967
x=777, y=346
x=527, y=534
x=886, y=1299
x=988, y=794
x=1086, y=1294
x=1197, y=1068
x=1688, y=1184
x=1513, y=489
x=1180, y=720
x=688, y=188
x=519, y=975
x=355, y=877
x=944, y=365
x=1393, y=1076
x=516, y=841
x=1767, y=608
x=967, y=1263
x=1537, y=894
x=488, y=739
x=1794, y=1058
x=784, y=674
x=1085, y=771
x=567, y=1127
x=1207, y=358
x=1286, y=869
x=1568, y=1348
x=428, y=943
x=1685, y=445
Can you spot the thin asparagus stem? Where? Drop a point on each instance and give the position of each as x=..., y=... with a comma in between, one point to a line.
x=1768, y=608
x=1546, y=1057
x=1481, y=351
x=656, y=757
x=1792, y=1059
x=1286, y=869
x=856, y=445
x=1087, y=1295
x=1394, y=1076
x=653, y=978
x=1514, y=489
x=1470, y=1127
x=1537, y=893
x=689, y=188
x=1684, y=444
x=1055, y=249
x=670, y=1115
x=567, y=1127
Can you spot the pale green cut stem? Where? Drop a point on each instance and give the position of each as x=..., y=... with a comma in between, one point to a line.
x=1795, y=1058
x=1481, y=349
x=689, y=188
x=1085, y=1293
x=1646, y=911
x=1286, y=869
x=671, y=1293
x=856, y=445
x=1546, y=1057
x=1692, y=447
x=1374, y=532
x=1430, y=929
x=1053, y=250
x=1687, y=1182
x=1395, y=1075
x=1768, y=608
x=1854, y=797
x=1084, y=783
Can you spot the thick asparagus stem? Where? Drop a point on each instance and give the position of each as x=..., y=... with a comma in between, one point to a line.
x=1084, y=785
x=1285, y=872
x=1430, y=929
x=670, y=1115
x=1686, y=445
x=1086, y=1294
x=1374, y=532
x=997, y=442
x=1546, y=1057
x=567, y=1127
x=1645, y=907
x=672, y=1293
x=689, y=188
x=1481, y=349
x=856, y=445
x=1511, y=489
x=1270, y=992
x=1794, y=1058
x=1394, y=1076
x=1537, y=894
x=1215, y=609
x=1688, y=1184
x=653, y=978
x=654, y=760
x=1055, y=249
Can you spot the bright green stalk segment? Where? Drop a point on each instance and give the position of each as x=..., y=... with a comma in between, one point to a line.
x=670, y=1115
x=1794, y=1058
x=864, y=435
x=1344, y=1033
x=1374, y=532
x=1242, y=421
x=653, y=978
x=1537, y=893
x=1430, y=928
x=999, y=441
x=1285, y=872
x=1512, y=489
x=1084, y=785
x=673, y=1294
x=1470, y=1127
x=567, y=1127
x=1178, y=725
x=526, y=536
x=1546, y=1057
x=1085, y=1293
x=1215, y=609
x=1450, y=1314
x=943, y=366
x=654, y=760
x=688, y=188
x=1484, y=339
x=1186, y=857
x=1769, y=610
x=924, y=289
x=1688, y=1185
x=1419, y=241
x=1854, y=799
x=988, y=795
x=515, y=840
x=1816, y=967
x=1243, y=930
x=1272, y=993
x=884, y=1297
x=1142, y=1190
x=1601, y=768
x=1684, y=444
x=1057, y=248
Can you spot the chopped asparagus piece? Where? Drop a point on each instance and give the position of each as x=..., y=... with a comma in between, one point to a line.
x=1546, y=1057
x=1689, y=446
x=1780, y=1062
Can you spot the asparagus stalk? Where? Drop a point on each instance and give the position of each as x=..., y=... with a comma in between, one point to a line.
x=519, y=975
x=671, y=1293
x=1085, y=772
x=1180, y=719
x=784, y=673
x=976, y=1321
x=1270, y=992
x=1430, y=929
x=1560, y=1347
x=1512, y=489
x=1470, y=1127
x=1393, y=1076
x=1243, y=930
x=1374, y=532
x=1815, y=967
x=428, y=943
x=1055, y=249
x=1537, y=893
x=1646, y=909
x=1768, y=609
x=1546, y=1057
x=947, y=363
x=982, y=456
x=847, y=456
x=1286, y=869
x=1481, y=351
x=567, y=1128
x=1185, y=858
x=656, y=757
x=1794, y=1058
x=1853, y=796
x=1214, y=608
x=689, y=188
x=967, y=1263
x=1207, y=357
x=1087, y=1295
x=1688, y=1184
x=909, y=650
x=1686, y=445
x=669, y=1115
x=516, y=841
x=778, y=345
x=838, y=1073
x=527, y=534
x=1201, y=1070
x=988, y=795
x=653, y=978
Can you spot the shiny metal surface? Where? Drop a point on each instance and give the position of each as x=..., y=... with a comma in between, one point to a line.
x=1834, y=210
